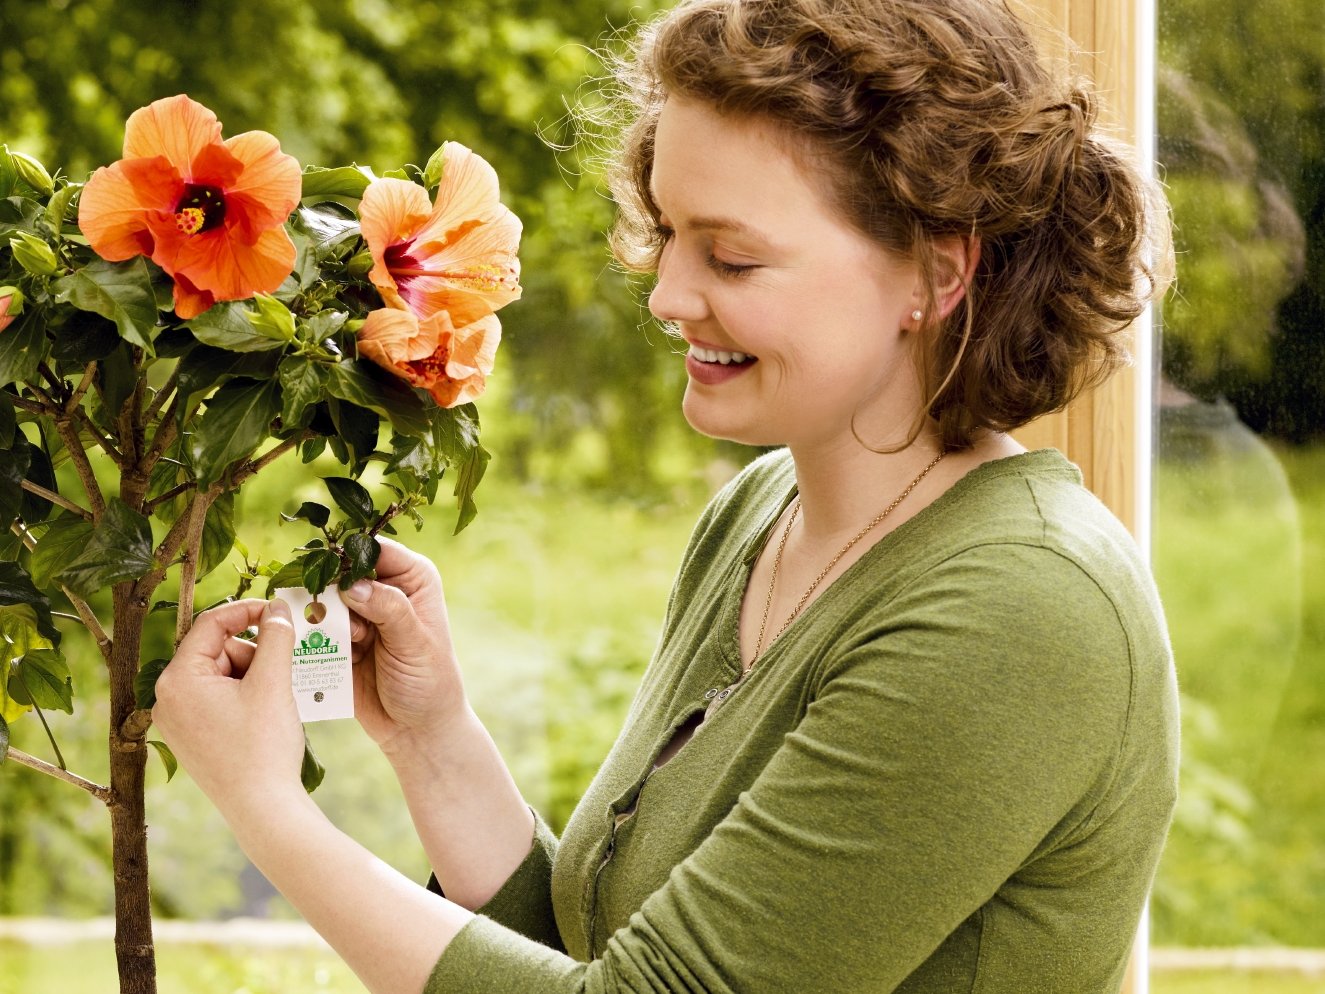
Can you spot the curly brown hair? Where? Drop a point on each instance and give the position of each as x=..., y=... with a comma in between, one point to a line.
x=928, y=119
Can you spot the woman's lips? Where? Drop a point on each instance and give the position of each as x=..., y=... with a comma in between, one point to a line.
x=714, y=366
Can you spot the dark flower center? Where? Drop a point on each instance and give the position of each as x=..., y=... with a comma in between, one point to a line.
x=202, y=208
x=432, y=367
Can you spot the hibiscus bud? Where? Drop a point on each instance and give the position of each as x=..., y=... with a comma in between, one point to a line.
x=360, y=263
x=11, y=305
x=33, y=254
x=33, y=173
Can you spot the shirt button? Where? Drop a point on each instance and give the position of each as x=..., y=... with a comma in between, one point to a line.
x=710, y=694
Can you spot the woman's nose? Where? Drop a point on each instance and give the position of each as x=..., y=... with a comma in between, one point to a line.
x=676, y=295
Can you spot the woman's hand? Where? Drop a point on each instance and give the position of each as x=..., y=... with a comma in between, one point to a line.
x=406, y=680
x=225, y=705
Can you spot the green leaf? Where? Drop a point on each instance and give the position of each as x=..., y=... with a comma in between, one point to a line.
x=362, y=550
x=238, y=418
x=368, y=386
x=36, y=509
x=218, y=534
x=144, y=682
x=303, y=384
x=289, y=575
x=120, y=549
x=120, y=291
x=320, y=568
x=311, y=771
x=34, y=255
x=229, y=325
x=59, y=205
x=13, y=467
x=8, y=422
x=206, y=366
x=84, y=337
x=467, y=480
x=8, y=174
x=65, y=537
x=353, y=499
x=45, y=676
x=117, y=377
x=356, y=434
x=432, y=172
x=315, y=514
x=16, y=588
x=22, y=348
x=341, y=181
x=168, y=759
x=272, y=319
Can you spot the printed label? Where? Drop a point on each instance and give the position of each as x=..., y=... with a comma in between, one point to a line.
x=322, y=675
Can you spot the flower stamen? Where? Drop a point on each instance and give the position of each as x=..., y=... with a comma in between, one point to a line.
x=190, y=220
x=202, y=208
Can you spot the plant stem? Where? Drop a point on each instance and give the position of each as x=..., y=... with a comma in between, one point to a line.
x=108, y=445
x=41, y=766
x=188, y=571
x=167, y=390
x=89, y=375
x=81, y=606
x=50, y=736
x=169, y=495
x=54, y=498
x=74, y=445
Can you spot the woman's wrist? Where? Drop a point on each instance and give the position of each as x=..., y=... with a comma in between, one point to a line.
x=435, y=744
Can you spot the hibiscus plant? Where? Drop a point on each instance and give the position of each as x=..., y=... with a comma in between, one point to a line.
x=191, y=315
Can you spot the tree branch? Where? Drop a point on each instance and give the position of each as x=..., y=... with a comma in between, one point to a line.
x=85, y=613
x=23, y=404
x=134, y=728
x=54, y=498
x=107, y=444
x=251, y=469
x=89, y=374
x=169, y=495
x=167, y=390
x=188, y=572
x=164, y=436
x=79, y=455
x=101, y=793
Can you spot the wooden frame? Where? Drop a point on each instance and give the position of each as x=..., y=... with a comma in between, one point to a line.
x=1108, y=431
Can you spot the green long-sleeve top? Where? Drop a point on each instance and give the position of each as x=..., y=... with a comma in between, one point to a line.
x=952, y=773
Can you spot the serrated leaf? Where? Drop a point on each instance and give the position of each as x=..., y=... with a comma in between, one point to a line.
x=168, y=759
x=229, y=325
x=362, y=550
x=65, y=537
x=16, y=589
x=289, y=575
x=364, y=384
x=470, y=473
x=120, y=548
x=303, y=384
x=22, y=348
x=311, y=770
x=352, y=498
x=45, y=676
x=316, y=515
x=120, y=291
x=144, y=682
x=340, y=181
x=218, y=534
x=238, y=418
x=320, y=569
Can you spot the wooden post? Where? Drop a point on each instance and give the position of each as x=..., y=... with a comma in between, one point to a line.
x=1107, y=432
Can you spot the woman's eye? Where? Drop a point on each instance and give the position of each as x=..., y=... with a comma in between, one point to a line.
x=663, y=232
x=728, y=269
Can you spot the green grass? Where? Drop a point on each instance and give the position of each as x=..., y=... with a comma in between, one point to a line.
x=1259, y=982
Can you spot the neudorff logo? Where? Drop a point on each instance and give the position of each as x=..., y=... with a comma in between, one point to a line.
x=316, y=644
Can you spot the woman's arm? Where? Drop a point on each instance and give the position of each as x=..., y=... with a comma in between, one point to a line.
x=474, y=825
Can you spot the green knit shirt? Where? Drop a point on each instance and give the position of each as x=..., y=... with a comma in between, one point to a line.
x=952, y=773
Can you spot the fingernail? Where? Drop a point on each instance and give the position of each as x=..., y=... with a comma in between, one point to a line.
x=359, y=590
x=277, y=608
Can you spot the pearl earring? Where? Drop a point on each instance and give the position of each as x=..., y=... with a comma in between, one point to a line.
x=917, y=314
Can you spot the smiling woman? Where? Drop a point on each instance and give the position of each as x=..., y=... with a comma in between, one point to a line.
x=911, y=722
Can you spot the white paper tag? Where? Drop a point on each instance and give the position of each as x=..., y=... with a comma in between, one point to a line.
x=322, y=674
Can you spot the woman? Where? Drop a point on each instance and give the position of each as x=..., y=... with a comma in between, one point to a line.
x=911, y=725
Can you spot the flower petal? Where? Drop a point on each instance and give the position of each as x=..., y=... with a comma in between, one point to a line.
x=230, y=269
x=468, y=192
x=176, y=127
x=481, y=261
x=390, y=213
x=472, y=349
x=269, y=187
x=189, y=300
x=391, y=338
x=119, y=202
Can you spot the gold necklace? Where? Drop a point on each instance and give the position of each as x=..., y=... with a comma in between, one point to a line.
x=777, y=558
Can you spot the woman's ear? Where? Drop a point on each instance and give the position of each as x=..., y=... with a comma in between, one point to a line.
x=956, y=256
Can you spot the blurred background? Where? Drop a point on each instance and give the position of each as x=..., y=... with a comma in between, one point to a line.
x=558, y=588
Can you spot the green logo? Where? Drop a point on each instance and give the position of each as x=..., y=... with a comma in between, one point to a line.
x=316, y=643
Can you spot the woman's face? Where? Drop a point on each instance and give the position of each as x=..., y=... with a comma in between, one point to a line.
x=758, y=265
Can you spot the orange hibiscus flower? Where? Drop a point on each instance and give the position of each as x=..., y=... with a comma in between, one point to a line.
x=211, y=213
x=458, y=251
x=449, y=353
x=11, y=306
